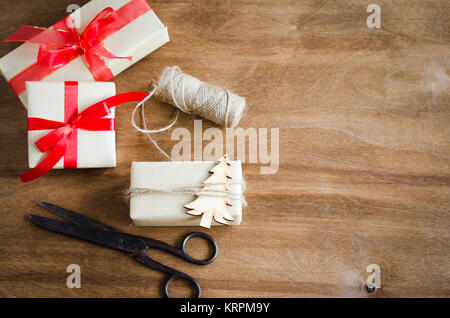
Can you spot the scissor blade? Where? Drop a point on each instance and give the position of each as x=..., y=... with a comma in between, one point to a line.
x=116, y=240
x=75, y=217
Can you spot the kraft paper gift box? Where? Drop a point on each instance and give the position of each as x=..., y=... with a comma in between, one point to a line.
x=134, y=31
x=50, y=101
x=167, y=209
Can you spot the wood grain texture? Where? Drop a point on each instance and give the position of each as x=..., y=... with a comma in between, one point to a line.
x=364, y=174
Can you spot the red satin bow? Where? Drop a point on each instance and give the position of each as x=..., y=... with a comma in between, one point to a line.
x=59, y=46
x=58, y=141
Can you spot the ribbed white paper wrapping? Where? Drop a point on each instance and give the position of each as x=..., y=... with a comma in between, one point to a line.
x=137, y=39
x=46, y=100
x=168, y=209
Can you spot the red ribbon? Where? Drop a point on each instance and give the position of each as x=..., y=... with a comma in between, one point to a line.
x=62, y=141
x=62, y=44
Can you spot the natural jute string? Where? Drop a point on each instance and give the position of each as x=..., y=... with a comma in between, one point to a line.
x=193, y=190
x=191, y=96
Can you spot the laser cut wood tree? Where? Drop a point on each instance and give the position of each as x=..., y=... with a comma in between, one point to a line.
x=209, y=206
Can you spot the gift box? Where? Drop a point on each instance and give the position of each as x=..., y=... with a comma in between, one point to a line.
x=111, y=35
x=50, y=101
x=160, y=192
x=71, y=125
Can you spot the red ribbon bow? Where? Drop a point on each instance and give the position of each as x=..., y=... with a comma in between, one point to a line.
x=62, y=44
x=59, y=141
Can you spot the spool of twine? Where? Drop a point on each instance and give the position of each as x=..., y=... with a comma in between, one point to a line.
x=190, y=95
x=193, y=96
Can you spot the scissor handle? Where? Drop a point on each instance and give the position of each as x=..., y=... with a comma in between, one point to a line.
x=180, y=252
x=181, y=275
x=198, y=261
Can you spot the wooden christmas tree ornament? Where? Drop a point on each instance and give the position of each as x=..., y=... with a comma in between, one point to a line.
x=212, y=200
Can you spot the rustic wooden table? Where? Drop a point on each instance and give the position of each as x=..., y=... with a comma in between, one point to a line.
x=364, y=151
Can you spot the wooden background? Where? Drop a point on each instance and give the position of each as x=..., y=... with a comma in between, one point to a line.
x=364, y=154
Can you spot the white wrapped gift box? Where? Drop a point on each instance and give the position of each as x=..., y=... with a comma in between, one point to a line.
x=167, y=209
x=137, y=39
x=46, y=100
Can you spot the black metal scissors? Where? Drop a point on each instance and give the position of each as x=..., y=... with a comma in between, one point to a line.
x=86, y=229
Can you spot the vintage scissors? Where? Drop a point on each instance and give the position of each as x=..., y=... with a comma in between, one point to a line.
x=86, y=229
